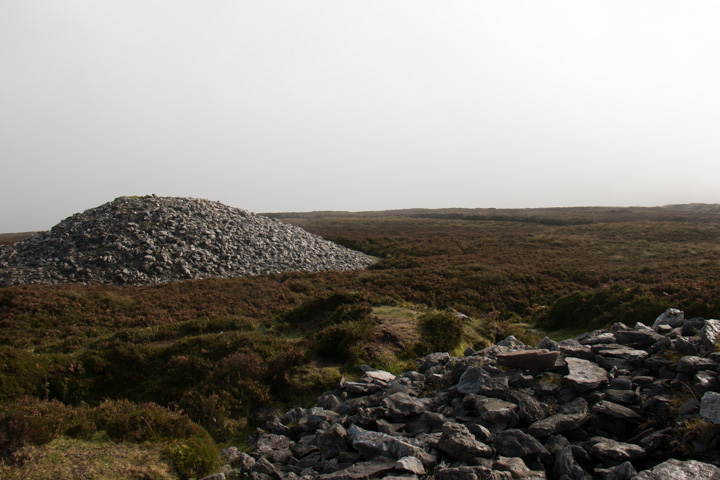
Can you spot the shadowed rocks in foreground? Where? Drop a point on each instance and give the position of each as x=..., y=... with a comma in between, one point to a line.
x=613, y=413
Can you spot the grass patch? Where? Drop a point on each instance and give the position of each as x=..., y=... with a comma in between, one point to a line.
x=66, y=458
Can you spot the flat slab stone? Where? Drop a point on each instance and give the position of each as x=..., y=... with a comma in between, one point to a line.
x=538, y=359
x=609, y=449
x=381, y=375
x=373, y=444
x=614, y=410
x=557, y=424
x=585, y=375
x=624, y=352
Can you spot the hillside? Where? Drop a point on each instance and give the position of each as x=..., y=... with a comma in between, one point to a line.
x=222, y=350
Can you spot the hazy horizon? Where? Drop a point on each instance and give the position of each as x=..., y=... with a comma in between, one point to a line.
x=328, y=105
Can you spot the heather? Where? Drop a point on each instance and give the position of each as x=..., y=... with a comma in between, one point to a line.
x=226, y=353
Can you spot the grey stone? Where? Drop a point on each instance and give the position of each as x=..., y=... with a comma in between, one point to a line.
x=585, y=375
x=476, y=380
x=692, y=364
x=597, y=337
x=624, y=352
x=516, y=467
x=333, y=441
x=276, y=448
x=612, y=450
x=362, y=470
x=615, y=410
x=403, y=405
x=693, y=326
x=494, y=410
x=373, y=444
x=671, y=316
x=511, y=341
x=548, y=344
x=621, y=396
x=516, y=443
x=328, y=401
x=536, y=359
x=566, y=467
x=217, y=476
x=624, y=471
x=678, y=470
x=410, y=464
x=710, y=407
x=709, y=334
x=637, y=338
x=244, y=462
x=573, y=348
x=579, y=405
x=705, y=382
x=531, y=410
x=478, y=472
x=380, y=375
x=458, y=442
x=557, y=424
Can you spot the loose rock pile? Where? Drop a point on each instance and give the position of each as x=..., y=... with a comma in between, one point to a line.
x=613, y=403
x=147, y=240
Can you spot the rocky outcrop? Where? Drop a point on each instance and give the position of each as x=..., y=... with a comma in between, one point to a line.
x=148, y=240
x=451, y=420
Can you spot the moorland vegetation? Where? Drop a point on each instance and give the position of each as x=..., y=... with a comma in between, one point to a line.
x=183, y=367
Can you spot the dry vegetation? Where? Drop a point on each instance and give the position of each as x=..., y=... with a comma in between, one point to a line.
x=219, y=352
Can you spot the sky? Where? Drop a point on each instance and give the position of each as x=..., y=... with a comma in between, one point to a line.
x=286, y=105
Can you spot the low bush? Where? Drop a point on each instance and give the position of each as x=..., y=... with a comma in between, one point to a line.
x=333, y=309
x=37, y=422
x=194, y=457
x=440, y=332
x=125, y=420
x=339, y=342
x=21, y=373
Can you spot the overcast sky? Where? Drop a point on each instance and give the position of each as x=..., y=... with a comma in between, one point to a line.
x=357, y=105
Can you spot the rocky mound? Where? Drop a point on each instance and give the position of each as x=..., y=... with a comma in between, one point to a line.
x=147, y=240
x=607, y=404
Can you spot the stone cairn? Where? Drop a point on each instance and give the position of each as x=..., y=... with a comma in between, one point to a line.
x=149, y=240
x=607, y=404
